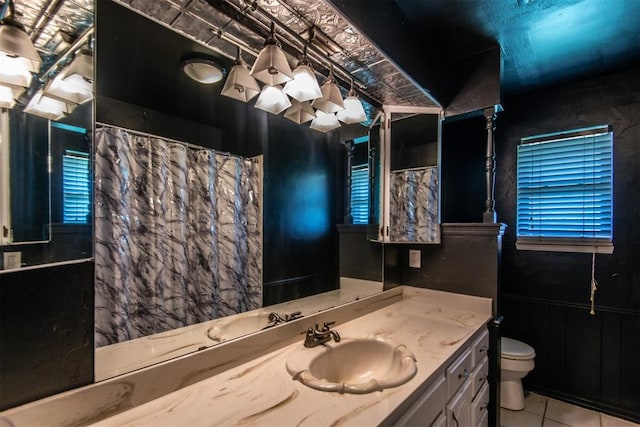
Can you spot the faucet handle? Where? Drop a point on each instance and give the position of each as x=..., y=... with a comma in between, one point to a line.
x=327, y=325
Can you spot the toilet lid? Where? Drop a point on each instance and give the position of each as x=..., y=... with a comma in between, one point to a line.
x=514, y=349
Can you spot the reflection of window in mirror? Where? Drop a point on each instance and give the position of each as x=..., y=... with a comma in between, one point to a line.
x=71, y=174
x=360, y=181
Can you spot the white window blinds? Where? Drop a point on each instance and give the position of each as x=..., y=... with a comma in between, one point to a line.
x=360, y=194
x=75, y=187
x=565, y=191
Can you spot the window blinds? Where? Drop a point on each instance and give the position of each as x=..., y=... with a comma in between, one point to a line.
x=565, y=186
x=360, y=194
x=75, y=187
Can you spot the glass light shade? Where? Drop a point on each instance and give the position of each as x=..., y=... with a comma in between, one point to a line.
x=353, y=111
x=324, y=122
x=47, y=107
x=82, y=65
x=300, y=112
x=272, y=67
x=72, y=88
x=203, y=70
x=273, y=100
x=240, y=84
x=8, y=95
x=15, y=42
x=331, y=100
x=304, y=86
x=14, y=71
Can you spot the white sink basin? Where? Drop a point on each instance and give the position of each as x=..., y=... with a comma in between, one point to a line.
x=357, y=365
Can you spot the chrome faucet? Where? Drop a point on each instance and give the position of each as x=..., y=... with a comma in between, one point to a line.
x=316, y=337
x=275, y=319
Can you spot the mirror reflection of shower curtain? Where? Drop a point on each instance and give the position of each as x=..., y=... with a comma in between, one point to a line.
x=178, y=237
x=413, y=205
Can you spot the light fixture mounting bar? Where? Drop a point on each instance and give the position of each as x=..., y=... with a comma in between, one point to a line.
x=259, y=21
x=82, y=39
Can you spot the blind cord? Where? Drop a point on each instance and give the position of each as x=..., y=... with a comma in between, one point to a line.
x=594, y=284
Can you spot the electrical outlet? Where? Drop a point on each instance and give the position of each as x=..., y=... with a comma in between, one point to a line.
x=12, y=260
x=414, y=258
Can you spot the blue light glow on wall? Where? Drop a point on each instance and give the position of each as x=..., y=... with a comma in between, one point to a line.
x=309, y=203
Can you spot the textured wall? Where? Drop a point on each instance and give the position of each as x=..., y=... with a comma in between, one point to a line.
x=589, y=359
x=46, y=331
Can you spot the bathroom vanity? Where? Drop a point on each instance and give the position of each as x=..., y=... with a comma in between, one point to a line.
x=445, y=332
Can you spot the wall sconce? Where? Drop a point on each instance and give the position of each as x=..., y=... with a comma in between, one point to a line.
x=331, y=100
x=18, y=56
x=47, y=107
x=273, y=99
x=240, y=84
x=203, y=70
x=300, y=112
x=353, y=111
x=324, y=122
x=304, y=86
x=271, y=66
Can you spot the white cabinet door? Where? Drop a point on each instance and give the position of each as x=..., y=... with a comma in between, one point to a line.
x=427, y=407
x=459, y=407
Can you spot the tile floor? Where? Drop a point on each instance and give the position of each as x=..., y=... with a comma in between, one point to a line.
x=541, y=411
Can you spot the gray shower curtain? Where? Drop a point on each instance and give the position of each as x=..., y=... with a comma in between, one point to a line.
x=413, y=205
x=178, y=235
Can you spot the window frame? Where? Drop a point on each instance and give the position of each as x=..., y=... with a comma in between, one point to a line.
x=566, y=244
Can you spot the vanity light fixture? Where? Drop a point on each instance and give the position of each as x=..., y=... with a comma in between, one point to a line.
x=353, y=111
x=240, y=84
x=273, y=99
x=18, y=56
x=9, y=95
x=203, y=70
x=324, y=122
x=47, y=107
x=300, y=112
x=304, y=86
x=331, y=100
x=74, y=83
x=271, y=66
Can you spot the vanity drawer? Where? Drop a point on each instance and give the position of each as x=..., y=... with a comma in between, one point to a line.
x=479, y=375
x=479, y=347
x=458, y=372
x=426, y=409
x=479, y=406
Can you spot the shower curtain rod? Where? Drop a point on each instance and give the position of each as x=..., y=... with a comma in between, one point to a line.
x=186, y=144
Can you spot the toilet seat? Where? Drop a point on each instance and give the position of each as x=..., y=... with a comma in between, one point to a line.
x=516, y=350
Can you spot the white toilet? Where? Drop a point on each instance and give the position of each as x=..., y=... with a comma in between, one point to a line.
x=516, y=362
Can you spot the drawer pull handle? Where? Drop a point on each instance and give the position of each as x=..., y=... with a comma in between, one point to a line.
x=483, y=349
x=465, y=374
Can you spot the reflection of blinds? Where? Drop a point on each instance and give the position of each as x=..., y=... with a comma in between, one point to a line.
x=75, y=187
x=360, y=194
x=565, y=186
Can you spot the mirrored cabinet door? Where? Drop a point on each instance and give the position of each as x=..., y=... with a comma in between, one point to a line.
x=409, y=161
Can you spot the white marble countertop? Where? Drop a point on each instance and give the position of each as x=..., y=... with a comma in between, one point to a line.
x=433, y=325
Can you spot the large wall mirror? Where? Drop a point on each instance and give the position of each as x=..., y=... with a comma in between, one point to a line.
x=275, y=182
x=142, y=97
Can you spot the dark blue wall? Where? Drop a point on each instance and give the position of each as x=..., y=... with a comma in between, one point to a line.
x=588, y=360
x=46, y=331
x=591, y=360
